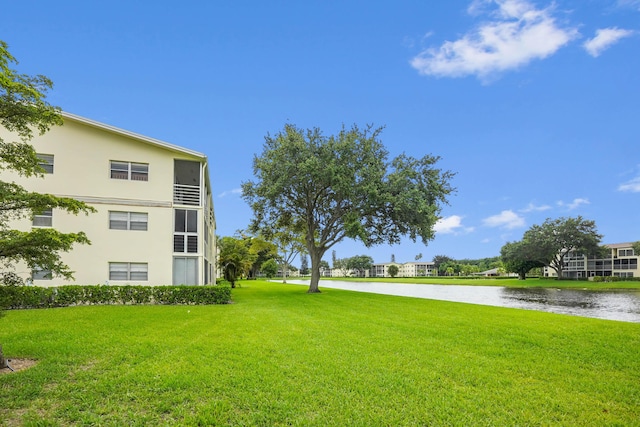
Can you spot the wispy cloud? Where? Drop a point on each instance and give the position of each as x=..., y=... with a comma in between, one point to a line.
x=630, y=3
x=451, y=225
x=576, y=203
x=230, y=192
x=506, y=219
x=516, y=34
x=632, y=186
x=533, y=208
x=604, y=39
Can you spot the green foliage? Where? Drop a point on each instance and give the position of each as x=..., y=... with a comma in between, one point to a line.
x=549, y=242
x=261, y=250
x=21, y=297
x=359, y=263
x=269, y=268
x=393, y=270
x=39, y=248
x=337, y=187
x=304, y=265
x=519, y=257
x=23, y=111
x=235, y=258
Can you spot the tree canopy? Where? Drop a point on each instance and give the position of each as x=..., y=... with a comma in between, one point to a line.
x=548, y=244
x=553, y=239
x=520, y=258
x=23, y=112
x=235, y=258
x=343, y=186
x=359, y=263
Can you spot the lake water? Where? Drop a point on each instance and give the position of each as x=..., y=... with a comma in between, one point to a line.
x=611, y=305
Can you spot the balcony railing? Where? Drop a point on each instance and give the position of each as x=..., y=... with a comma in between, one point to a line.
x=186, y=194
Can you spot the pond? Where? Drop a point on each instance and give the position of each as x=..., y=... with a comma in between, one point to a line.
x=605, y=304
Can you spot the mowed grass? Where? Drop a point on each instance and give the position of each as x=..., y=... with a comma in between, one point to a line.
x=279, y=356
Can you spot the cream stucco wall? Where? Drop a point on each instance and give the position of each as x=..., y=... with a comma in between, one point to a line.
x=82, y=154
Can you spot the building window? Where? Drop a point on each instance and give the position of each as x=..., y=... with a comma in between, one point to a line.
x=185, y=237
x=40, y=274
x=185, y=271
x=625, y=252
x=128, y=220
x=128, y=271
x=45, y=161
x=43, y=219
x=130, y=171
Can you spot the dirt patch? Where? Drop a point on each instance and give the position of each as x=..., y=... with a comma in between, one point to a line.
x=18, y=365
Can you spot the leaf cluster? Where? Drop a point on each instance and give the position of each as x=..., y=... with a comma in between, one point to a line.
x=23, y=112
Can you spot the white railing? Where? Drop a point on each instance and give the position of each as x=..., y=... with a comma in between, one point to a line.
x=186, y=194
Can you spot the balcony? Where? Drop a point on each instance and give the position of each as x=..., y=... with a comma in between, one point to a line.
x=186, y=194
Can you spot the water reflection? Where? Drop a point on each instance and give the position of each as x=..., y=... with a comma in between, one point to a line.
x=611, y=305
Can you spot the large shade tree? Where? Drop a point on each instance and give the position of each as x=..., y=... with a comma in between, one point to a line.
x=551, y=241
x=344, y=186
x=24, y=113
x=360, y=263
x=519, y=258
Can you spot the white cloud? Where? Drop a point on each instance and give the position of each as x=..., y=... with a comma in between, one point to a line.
x=505, y=219
x=518, y=34
x=604, y=39
x=574, y=204
x=533, y=208
x=227, y=193
x=630, y=3
x=632, y=186
x=451, y=225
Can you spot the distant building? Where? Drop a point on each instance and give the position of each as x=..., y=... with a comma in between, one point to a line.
x=622, y=261
x=155, y=222
x=408, y=269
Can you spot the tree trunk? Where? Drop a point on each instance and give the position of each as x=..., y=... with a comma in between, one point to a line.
x=285, y=270
x=522, y=276
x=316, y=257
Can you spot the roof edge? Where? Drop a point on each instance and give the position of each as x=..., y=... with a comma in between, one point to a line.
x=133, y=135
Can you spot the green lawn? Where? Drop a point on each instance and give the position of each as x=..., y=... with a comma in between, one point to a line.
x=280, y=356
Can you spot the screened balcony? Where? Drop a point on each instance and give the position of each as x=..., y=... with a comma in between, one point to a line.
x=186, y=183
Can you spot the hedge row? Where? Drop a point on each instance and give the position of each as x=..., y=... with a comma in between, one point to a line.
x=16, y=297
x=615, y=279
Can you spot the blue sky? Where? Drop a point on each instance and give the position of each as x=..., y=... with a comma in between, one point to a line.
x=534, y=104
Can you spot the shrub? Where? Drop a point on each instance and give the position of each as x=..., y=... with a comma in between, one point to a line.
x=17, y=297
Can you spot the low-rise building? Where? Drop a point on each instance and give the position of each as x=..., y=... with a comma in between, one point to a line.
x=621, y=261
x=408, y=269
x=155, y=222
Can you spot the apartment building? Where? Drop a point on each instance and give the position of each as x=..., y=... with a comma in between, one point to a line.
x=621, y=261
x=408, y=269
x=155, y=222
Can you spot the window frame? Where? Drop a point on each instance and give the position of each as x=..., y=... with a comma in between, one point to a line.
x=46, y=162
x=123, y=170
x=42, y=216
x=185, y=231
x=133, y=271
x=128, y=220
